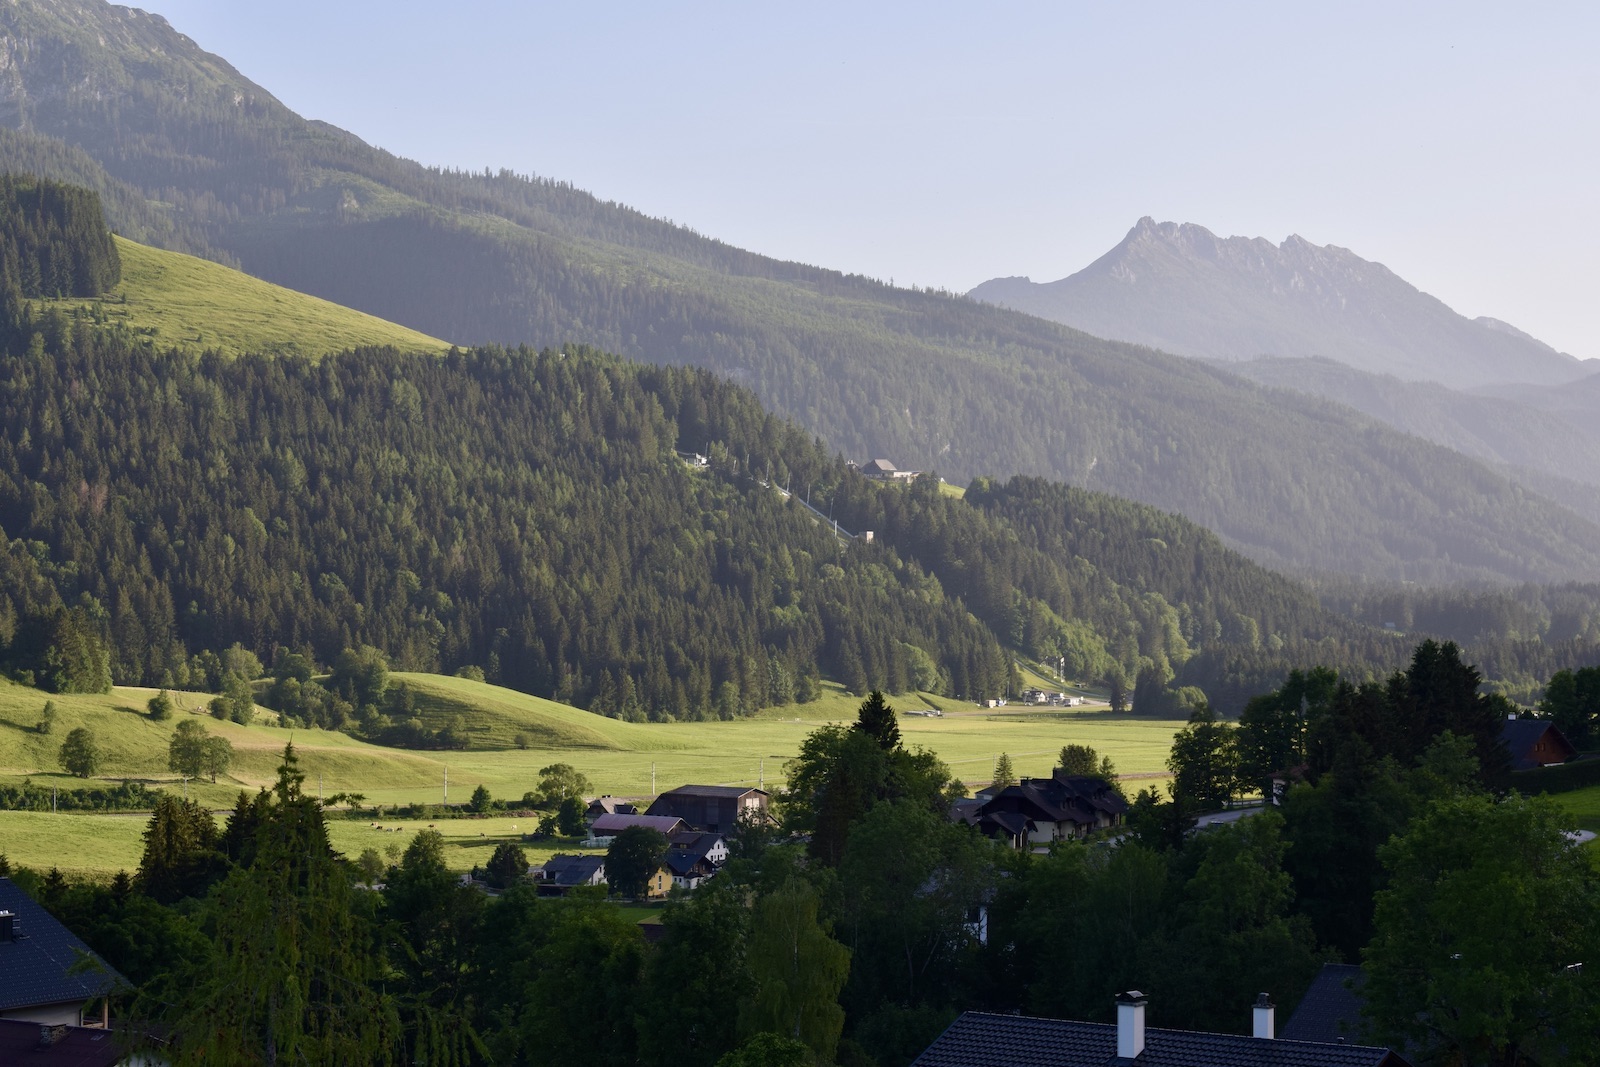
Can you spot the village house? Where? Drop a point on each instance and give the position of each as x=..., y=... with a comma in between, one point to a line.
x=882, y=470
x=717, y=809
x=1037, y=811
x=979, y=1039
x=688, y=870
x=41, y=981
x=695, y=855
x=1535, y=743
x=563, y=873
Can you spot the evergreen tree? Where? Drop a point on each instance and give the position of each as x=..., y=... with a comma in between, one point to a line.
x=877, y=720
x=1003, y=774
x=180, y=856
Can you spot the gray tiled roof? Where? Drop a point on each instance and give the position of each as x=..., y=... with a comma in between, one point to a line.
x=33, y=968
x=573, y=870
x=978, y=1039
x=1331, y=1008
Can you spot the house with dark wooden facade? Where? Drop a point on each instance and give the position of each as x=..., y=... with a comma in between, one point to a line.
x=716, y=809
x=1535, y=743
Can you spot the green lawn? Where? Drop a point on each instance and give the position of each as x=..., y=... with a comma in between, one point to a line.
x=1584, y=804
x=623, y=759
x=184, y=302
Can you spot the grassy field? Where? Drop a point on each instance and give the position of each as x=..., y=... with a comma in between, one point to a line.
x=623, y=759
x=183, y=302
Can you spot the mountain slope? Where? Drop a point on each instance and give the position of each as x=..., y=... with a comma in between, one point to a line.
x=925, y=379
x=184, y=302
x=1185, y=290
x=1552, y=430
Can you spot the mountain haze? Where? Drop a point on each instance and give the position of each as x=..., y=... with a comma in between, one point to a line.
x=1183, y=289
x=1535, y=430
x=189, y=155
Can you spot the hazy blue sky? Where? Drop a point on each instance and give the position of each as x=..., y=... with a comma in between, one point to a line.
x=943, y=144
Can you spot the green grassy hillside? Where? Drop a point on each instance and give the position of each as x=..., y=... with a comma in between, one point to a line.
x=495, y=716
x=179, y=301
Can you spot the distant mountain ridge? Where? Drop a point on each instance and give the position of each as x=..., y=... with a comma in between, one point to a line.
x=1185, y=290
x=188, y=155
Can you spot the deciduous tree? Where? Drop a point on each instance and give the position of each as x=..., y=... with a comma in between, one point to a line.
x=80, y=754
x=1483, y=936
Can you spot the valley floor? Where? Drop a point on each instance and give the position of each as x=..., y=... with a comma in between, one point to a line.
x=621, y=759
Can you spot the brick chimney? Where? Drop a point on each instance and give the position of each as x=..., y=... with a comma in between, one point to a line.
x=1262, y=1014
x=1130, y=1023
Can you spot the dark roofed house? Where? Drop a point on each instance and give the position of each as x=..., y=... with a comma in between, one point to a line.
x=713, y=848
x=978, y=1039
x=717, y=809
x=563, y=873
x=1037, y=811
x=40, y=981
x=688, y=870
x=1535, y=743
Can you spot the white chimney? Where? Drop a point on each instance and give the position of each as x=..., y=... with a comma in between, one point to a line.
x=1262, y=1014
x=1130, y=1023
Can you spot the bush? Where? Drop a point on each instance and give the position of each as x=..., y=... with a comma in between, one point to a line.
x=129, y=796
x=160, y=706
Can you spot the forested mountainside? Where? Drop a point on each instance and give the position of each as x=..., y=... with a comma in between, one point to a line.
x=1183, y=289
x=527, y=513
x=190, y=155
x=1543, y=432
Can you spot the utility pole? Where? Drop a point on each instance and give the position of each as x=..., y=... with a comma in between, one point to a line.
x=652, y=779
x=761, y=775
x=319, y=787
x=447, y=784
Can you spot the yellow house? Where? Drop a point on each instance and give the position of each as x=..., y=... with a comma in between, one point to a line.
x=660, y=883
